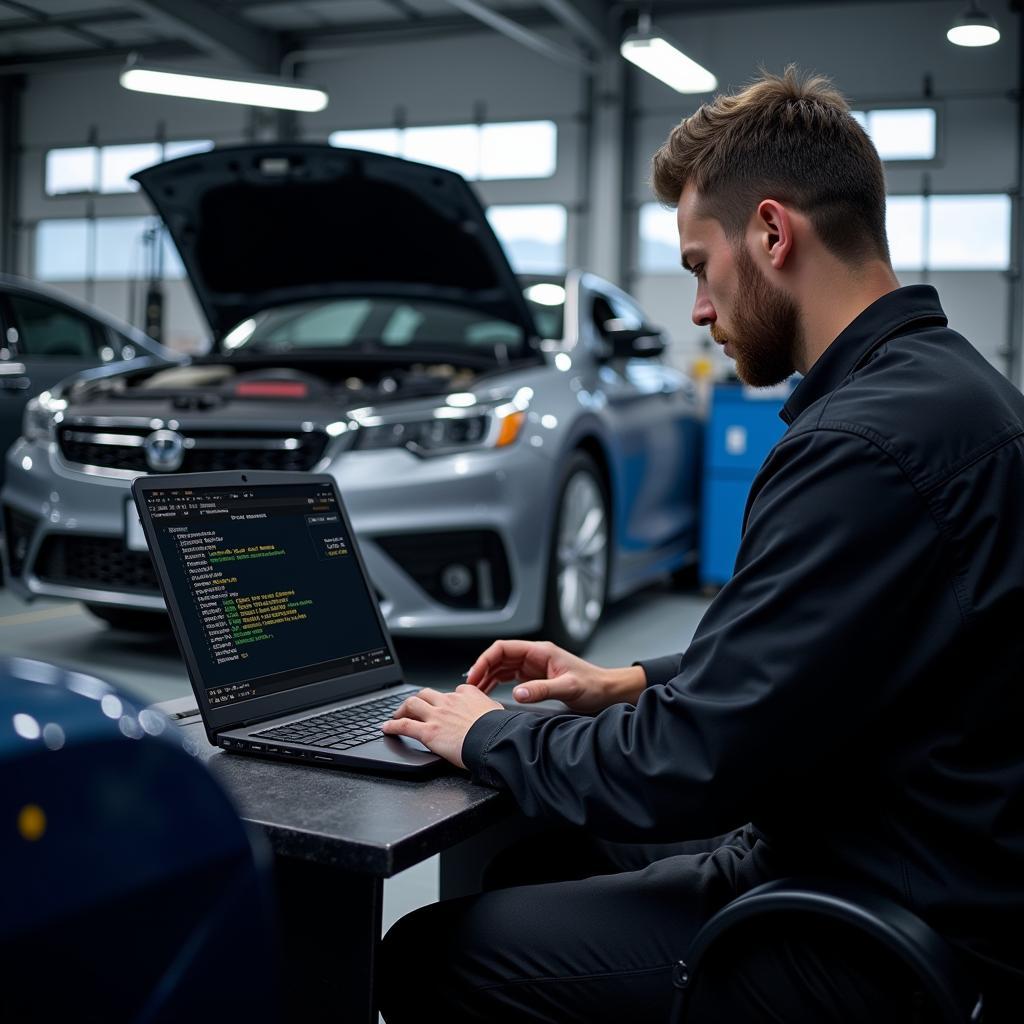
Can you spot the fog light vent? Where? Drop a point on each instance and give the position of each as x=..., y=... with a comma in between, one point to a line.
x=462, y=569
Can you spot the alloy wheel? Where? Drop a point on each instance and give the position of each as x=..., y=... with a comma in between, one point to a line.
x=582, y=555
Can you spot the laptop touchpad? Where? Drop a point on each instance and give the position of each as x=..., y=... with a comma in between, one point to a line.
x=409, y=743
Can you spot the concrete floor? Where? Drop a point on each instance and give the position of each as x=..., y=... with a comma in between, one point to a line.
x=655, y=621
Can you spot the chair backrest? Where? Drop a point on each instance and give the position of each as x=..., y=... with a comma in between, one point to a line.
x=943, y=977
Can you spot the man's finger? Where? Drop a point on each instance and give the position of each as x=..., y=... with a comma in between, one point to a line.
x=404, y=727
x=430, y=696
x=488, y=683
x=414, y=707
x=502, y=653
x=537, y=690
x=484, y=664
x=560, y=688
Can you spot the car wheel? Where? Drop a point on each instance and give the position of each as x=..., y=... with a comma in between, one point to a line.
x=577, y=580
x=133, y=620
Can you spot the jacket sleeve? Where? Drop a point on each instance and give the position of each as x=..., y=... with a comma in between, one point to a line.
x=661, y=670
x=842, y=593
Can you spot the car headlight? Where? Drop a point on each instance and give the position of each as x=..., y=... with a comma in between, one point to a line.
x=42, y=414
x=444, y=430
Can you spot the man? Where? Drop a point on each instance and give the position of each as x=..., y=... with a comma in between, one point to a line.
x=855, y=691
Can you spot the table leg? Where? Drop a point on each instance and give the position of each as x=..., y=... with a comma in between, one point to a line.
x=330, y=924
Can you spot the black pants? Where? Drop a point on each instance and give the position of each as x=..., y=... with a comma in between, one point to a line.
x=572, y=929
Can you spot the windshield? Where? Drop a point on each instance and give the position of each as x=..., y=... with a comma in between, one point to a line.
x=375, y=324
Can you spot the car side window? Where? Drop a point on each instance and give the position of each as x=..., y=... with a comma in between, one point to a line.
x=631, y=315
x=46, y=330
x=615, y=307
x=602, y=312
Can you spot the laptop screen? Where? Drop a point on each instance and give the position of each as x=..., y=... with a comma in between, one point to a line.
x=267, y=586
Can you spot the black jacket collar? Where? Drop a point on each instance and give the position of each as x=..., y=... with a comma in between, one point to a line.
x=880, y=321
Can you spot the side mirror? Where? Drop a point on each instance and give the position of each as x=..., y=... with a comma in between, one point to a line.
x=633, y=342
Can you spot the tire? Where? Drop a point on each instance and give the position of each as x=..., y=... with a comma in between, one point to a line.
x=132, y=620
x=578, y=559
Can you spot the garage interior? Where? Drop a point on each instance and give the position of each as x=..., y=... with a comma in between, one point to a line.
x=427, y=80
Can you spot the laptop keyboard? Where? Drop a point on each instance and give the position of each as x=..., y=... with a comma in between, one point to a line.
x=341, y=729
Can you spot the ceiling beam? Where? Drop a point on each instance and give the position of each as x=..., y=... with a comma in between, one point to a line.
x=213, y=32
x=425, y=27
x=404, y=8
x=84, y=20
x=679, y=7
x=522, y=35
x=585, y=19
x=60, y=60
x=35, y=19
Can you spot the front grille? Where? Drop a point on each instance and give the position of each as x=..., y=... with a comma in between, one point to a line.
x=205, y=450
x=462, y=569
x=18, y=530
x=103, y=563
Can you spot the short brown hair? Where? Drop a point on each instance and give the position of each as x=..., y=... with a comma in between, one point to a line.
x=784, y=137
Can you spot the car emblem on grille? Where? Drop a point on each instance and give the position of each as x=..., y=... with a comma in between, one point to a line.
x=165, y=451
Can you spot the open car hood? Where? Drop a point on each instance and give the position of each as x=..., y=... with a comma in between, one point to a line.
x=262, y=225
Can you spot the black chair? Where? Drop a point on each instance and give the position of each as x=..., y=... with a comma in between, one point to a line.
x=952, y=995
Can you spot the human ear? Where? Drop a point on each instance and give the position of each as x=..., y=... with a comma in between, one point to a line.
x=775, y=231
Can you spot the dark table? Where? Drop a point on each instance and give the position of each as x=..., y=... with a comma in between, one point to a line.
x=336, y=835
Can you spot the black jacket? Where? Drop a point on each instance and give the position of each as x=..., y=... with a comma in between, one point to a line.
x=857, y=689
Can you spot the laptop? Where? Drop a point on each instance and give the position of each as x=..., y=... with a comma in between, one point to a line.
x=276, y=618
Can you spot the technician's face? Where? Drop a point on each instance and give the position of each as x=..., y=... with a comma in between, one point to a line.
x=756, y=322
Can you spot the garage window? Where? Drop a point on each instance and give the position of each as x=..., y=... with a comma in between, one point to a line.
x=904, y=225
x=62, y=250
x=377, y=140
x=104, y=248
x=72, y=170
x=900, y=134
x=533, y=236
x=118, y=163
x=524, y=150
x=454, y=146
x=956, y=232
x=659, y=240
x=108, y=169
x=487, y=152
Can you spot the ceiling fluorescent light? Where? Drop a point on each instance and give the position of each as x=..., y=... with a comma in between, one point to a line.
x=651, y=51
x=253, y=92
x=974, y=28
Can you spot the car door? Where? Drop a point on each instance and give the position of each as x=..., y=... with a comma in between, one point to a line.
x=53, y=340
x=45, y=341
x=653, y=409
x=14, y=385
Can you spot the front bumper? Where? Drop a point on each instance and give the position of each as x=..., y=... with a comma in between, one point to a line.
x=487, y=513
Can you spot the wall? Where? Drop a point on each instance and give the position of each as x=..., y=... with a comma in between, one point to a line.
x=486, y=76
x=877, y=53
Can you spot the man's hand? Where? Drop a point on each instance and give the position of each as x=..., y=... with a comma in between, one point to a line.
x=547, y=671
x=440, y=721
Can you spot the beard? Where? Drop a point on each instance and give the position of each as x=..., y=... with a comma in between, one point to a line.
x=766, y=333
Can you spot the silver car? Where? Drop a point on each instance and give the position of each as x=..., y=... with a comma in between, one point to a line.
x=513, y=453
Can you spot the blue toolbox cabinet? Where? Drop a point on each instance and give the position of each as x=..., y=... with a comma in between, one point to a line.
x=743, y=428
